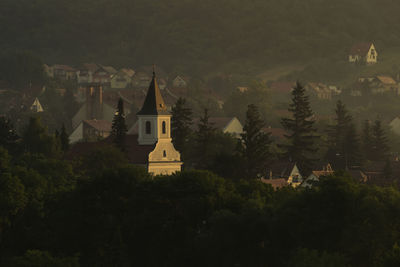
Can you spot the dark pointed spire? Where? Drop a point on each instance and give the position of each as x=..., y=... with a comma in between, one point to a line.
x=154, y=103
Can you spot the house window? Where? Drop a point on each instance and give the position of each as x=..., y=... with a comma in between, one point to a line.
x=164, y=127
x=164, y=154
x=148, y=127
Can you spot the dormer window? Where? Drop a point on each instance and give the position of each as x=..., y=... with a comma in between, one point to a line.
x=148, y=127
x=164, y=127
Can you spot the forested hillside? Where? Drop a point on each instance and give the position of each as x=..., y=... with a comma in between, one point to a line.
x=195, y=36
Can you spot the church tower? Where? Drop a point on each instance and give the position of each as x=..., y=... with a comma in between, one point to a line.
x=154, y=118
x=154, y=123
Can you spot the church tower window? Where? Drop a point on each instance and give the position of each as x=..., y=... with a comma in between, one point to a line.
x=164, y=154
x=164, y=127
x=148, y=127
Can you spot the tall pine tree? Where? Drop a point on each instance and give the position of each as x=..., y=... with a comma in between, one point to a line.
x=64, y=139
x=204, y=137
x=119, y=129
x=301, y=135
x=343, y=140
x=379, y=142
x=254, y=146
x=367, y=140
x=181, y=122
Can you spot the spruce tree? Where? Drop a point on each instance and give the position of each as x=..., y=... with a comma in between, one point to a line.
x=379, y=147
x=64, y=139
x=119, y=128
x=351, y=147
x=204, y=135
x=254, y=146
x=301, y=135
x=367, y=140
x=8, y=135
x=343, y=140
x=181, y=122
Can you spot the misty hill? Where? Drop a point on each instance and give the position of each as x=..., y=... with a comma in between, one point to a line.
x=196, y=36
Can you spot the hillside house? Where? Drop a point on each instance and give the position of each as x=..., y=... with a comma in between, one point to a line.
x=315, y=175
x=384, y=84
x=120, y=80
x=180, y=82
x=36, y=106
x=85, y=73
x=364, y=53
x=322, y=91
x=287, y=171
x=91, y=130
x=96, y=106
x=63, y=72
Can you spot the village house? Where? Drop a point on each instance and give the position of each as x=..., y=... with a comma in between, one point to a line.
x=120, y=80
x=141, y=80
x=180, y=82
x=285, y=170
x=315, y=175
x=91, y=130
x=395, y=125
x=384, y=84
x=85, y=73
x=63, y=72
x=95, y=106
x=322, y=91
x=364, y=53
x=36, y=106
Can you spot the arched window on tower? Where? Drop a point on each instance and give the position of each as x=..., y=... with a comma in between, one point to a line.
x=164, y=127
x=164, y=154
x=148, y=127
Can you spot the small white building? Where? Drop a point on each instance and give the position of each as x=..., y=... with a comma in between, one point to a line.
x=36, y=106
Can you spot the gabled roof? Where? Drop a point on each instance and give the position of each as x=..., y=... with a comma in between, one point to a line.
x=36, y=106
x=386, y=79
x=360, y=49
x=100, y=125
x=153, y=103
x=110, y=69
x=127, y=71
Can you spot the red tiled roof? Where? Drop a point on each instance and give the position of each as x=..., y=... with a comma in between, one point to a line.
x=360, y=49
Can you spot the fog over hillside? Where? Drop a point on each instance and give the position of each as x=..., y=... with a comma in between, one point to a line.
x=195, y=36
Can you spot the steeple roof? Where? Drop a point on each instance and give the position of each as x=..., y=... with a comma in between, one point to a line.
x=154, y=103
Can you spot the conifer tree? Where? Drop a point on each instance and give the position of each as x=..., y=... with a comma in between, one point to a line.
x=351, y=147
x=255, y=144
x=119, y=128
x=379, y=142
x=8, y=135
x=64, y=139
x=367, y=140
x=343, y=140
x=301, y=135
x=181, y=122
x=204, y=136
x=36, y=140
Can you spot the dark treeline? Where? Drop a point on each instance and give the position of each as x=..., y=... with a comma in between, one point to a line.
x=120, y=216
x=99, y=210
x=192, y=35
